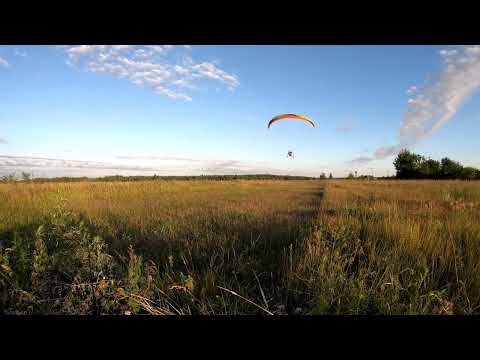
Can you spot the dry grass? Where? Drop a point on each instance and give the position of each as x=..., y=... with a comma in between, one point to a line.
x=395, y=247
x=266, y=247
x=158, y=211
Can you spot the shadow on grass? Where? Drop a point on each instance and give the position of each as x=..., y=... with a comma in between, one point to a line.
x=233, y=243
x=246, y=253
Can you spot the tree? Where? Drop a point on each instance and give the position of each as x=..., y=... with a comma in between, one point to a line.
x=9, y=178
x=351, y=176
x=323, y=176
x=430, y=169
x=408, y=164
x=450, y=169
x=26, y=176
x=469, y=173
x=330, y=176
x=413, y=166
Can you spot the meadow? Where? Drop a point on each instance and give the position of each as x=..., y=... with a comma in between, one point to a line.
x=269, y=247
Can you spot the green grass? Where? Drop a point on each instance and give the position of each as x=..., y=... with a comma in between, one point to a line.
x=240, y=247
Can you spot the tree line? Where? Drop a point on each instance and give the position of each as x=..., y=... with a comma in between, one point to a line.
x=415, y=166
x=29, y=177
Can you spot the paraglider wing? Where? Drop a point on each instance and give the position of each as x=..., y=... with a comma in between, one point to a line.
x=292, y=116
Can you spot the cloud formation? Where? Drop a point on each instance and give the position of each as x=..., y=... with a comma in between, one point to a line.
x=154, y=157
x=360, y=160
x=435, y=104
x=13, y=162
x=3, y=62
x=149, y=66
x=3, y=141
x=160, y=165
x=231, y=167
x=209, y=167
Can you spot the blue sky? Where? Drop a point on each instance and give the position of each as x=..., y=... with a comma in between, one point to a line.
x=174, y=110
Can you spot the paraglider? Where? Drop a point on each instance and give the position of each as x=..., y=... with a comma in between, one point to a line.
x=303, y=118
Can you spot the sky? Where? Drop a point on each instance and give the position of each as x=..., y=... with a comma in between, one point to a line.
x=97, y=110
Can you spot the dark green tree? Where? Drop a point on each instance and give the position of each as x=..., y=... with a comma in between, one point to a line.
x=408, y=165
x=450, y=169
x=430, y=169
x=469, y=173
x=26, y=176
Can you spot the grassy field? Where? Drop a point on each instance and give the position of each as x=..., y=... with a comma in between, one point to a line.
x=240, y=247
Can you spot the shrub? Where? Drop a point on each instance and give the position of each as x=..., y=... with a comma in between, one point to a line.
x=66, y=269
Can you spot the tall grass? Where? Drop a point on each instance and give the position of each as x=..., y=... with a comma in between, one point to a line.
x=240, y=247
x=393, y=247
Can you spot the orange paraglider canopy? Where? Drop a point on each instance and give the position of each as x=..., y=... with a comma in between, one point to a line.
x=293, y=117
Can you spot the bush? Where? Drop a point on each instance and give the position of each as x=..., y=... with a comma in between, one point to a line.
x=66, y=269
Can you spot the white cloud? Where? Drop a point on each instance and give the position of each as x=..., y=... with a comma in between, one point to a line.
x=76, y=52
x=155, y=157
x=120, y=47
x=16, y=162
x=3, y=141
x=4, y=62
x=438, y=102
x=181, y=70
x=448, y=52
x=166, y=165
x=232, y=167
x=209, y=70
x=150, y=67
x=385, y=151
x=435, y=104
x=141, y=53
x=160, y=48
x=159, y=90
x=183, y=83
x=187, y=165
x=20, y=52
x=412, y=90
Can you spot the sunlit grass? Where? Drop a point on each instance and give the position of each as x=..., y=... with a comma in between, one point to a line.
x=241, y=247
x=395, y=247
